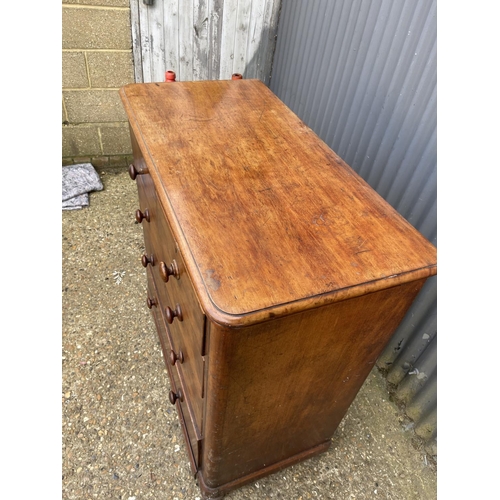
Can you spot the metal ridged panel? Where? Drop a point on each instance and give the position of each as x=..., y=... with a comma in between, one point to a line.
x=362, y=75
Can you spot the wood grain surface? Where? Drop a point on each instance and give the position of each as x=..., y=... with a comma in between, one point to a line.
x=280, y=388
x=269, y=219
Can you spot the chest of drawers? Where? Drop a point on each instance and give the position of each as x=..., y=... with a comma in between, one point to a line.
x=275, y=274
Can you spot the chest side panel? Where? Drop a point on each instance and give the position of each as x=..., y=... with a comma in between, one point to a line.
x=282, y=387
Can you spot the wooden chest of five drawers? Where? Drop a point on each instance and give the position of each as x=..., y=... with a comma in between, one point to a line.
x=275, y=274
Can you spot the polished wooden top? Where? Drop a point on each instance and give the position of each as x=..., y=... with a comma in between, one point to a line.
x=270, y=220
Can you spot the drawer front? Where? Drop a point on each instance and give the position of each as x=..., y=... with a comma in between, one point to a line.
x=191, y=433
x=153, y=304
x=146, y=214
x=176, y=298
x=185, y=339
x=185, y=370
x=178, y=395
x=157, y=229
x=185, y=321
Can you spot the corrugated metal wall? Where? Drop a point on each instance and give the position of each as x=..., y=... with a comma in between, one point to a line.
x=203, y=39
x=362, y=75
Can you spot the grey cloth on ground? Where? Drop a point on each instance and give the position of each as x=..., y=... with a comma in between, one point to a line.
x=77, y=181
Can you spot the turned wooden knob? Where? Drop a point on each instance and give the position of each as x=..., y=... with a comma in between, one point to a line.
x=148, y=260
x=166, y=271
x=139, y=216
x=173, y=397
x=151, y=302
x=176, y=357
x=171, y=315
x=133, y=172
x=236, y=76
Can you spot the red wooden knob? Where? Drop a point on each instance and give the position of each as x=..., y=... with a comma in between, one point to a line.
x=169, y=76
x=171, y=315
x=148, y=260
x=151, y=302
x=236, y=76
x=139, y=216
x=176, y=357
x=166, y=271
x=173, y=397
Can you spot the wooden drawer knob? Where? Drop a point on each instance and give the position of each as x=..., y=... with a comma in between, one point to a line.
x=173, y=397
x=148, y=260
x=171, y=315
x=166, y=271
x=139, y=216
x=169, y=76
x=176, y=357
x=133, y=172
x=151, y=302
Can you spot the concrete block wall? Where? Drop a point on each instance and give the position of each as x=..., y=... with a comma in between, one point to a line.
x=96, y=62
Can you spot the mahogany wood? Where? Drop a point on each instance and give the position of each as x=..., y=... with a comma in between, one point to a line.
x=174, y=396
x=170, y=314
x=139, y=216
x=134, y=172
x=282, y=387
x=229, y=155
x=291, y=273
x=187, y=338
x=176, y=357
x=147, y=259
x=171, y=270
x=191, y=434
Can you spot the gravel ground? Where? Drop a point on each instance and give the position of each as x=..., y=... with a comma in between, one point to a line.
x=121, y=439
